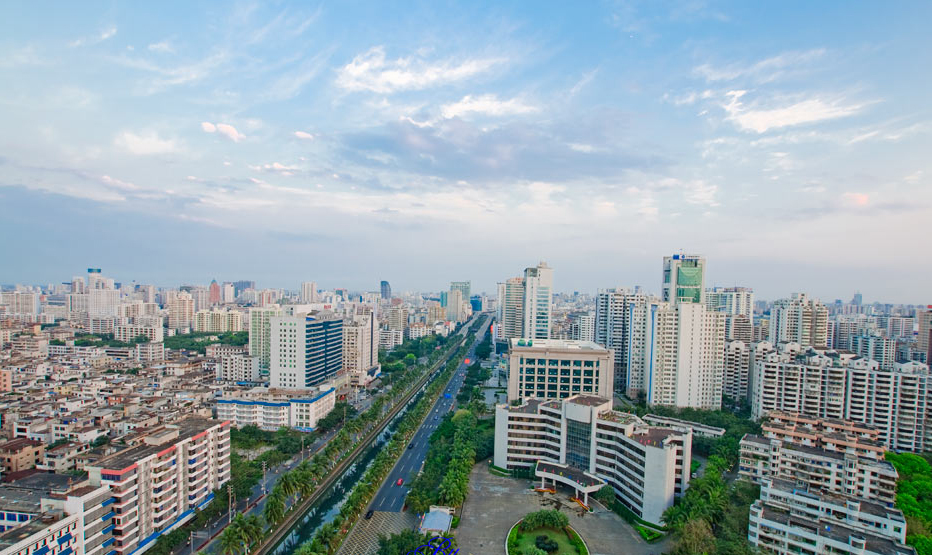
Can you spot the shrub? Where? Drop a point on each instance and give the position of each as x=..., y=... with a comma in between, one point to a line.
x=545, y=543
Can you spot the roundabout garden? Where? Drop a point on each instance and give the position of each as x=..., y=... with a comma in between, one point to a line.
x=545, y=532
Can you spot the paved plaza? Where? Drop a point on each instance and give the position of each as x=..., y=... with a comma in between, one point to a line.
x=495, y=503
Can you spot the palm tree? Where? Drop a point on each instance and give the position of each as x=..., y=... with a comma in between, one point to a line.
x=274, y=510
x=305, y=549
x=326, y=535
x=253, y=529
x=230, y=541
x=289, y=484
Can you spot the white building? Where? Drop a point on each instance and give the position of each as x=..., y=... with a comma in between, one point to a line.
x=271, y=409
x=181, y=311
x=581, y=443
x=309, y=292
x=624, y=322
x=238, y=368
x=789, y=519
x=582, y=327
x=218, y=321
x=844, y=473
x=389, y=339
x=128, y=332
x=511, y=308
x=731, y=300
x=159, y=482
x=361, y=348
x=557, y=369
x=688, y=353
x=306, y=350
x=538, y=298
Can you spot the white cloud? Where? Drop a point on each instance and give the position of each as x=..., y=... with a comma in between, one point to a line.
x=857, y=199
x=370, y=71
x=488, y=104
x=276, y=167
x=224, y=129
x=811, y=110
x=145, y=144
x=764, y=71
x=162, y=46
x=104, y=35
x=303, y=135
x=119, y=184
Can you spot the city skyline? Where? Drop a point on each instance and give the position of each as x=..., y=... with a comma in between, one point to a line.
x=789, y=151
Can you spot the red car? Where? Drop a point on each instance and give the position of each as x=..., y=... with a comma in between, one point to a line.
x=399, y=482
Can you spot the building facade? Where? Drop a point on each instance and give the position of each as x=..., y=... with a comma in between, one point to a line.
x=557, y=369
x=306, y=349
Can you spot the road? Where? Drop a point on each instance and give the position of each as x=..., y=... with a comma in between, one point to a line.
x=391, y=498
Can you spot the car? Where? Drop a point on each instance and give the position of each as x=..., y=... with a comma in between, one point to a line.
x=410, y=446
x=369, y=514
x=400, y=482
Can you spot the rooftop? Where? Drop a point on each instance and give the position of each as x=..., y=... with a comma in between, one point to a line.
x=566, y=471
x=15, y=535
x=588, y=400
x=557, y=344
x=186, y=429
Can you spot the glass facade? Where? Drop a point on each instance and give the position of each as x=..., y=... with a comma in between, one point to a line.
x=578, y=442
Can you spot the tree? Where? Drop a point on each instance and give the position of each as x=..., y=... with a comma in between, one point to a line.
x=401, y=543
x=230, y=541
x=695, y=538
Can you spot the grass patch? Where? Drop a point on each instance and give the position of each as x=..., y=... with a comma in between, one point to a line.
x=526, y=540
x=648, y=534
x=456, y=522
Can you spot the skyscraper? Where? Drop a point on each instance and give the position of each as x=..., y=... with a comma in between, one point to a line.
x=260, y=334
x=730, y=300
x=386, y=290
x=455, y=312
x=181, y=311
x=463, y=287
x=684, y=279
x=214, y=294
x=511, y=308
x=624, y=322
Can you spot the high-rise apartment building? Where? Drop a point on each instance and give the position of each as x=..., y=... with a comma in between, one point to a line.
x=683, y=279
x=455, y=306
x=624, y=323
x=799, y=320
x=538, y=298
x=227, y=293
x=557, y=369
x=361, y=348
x=687, y=354
x=306, y=349
x=181, y=311
x=511, y=308
x=925, y=333
x=398, y=318
x=875, y=346
x=218, y=321
x=731, y=300
x=260, y=333
x=580, y=442
x=214, y=293
x=582, y=327
x=309, y=292
x=386, y=290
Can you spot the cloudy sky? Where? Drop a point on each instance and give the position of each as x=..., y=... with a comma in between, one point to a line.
x=347, y=142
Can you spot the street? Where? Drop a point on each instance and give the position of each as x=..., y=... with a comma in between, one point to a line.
x=390, y=497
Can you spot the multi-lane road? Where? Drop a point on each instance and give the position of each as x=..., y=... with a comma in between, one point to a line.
x=391, y=497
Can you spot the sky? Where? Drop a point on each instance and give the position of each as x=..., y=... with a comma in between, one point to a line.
x=346, y=142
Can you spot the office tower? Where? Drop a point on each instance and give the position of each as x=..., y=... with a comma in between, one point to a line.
x=925, y=333
x=171, y=471
x=260, y=333
x=309, y=292
x=538, y=294
x=582, y=443
x=858, y=298
x=683, y=279
x=557, y=369
x=214, y=297
x=444, y=298
x=455, y=312
x=181, y=311
x=790, y=518
x=731, y=300
x=476, y=303
x=688, y=352
x=582, y=327
x=218, y=321
x=386, y=290
x=511, y=308
x=306, y=349
x=361, y=348
x=624, y=323
x=227, y=293
x=463, y=287
x=799, y=320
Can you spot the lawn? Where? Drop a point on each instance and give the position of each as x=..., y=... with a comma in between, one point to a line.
x=528, y=538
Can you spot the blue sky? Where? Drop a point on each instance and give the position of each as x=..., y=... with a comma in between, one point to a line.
x=347, y=142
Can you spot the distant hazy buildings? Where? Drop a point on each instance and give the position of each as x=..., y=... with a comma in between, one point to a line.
x=730, y=300
x=386, y=290
x=799, y=319
x=309, y=292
